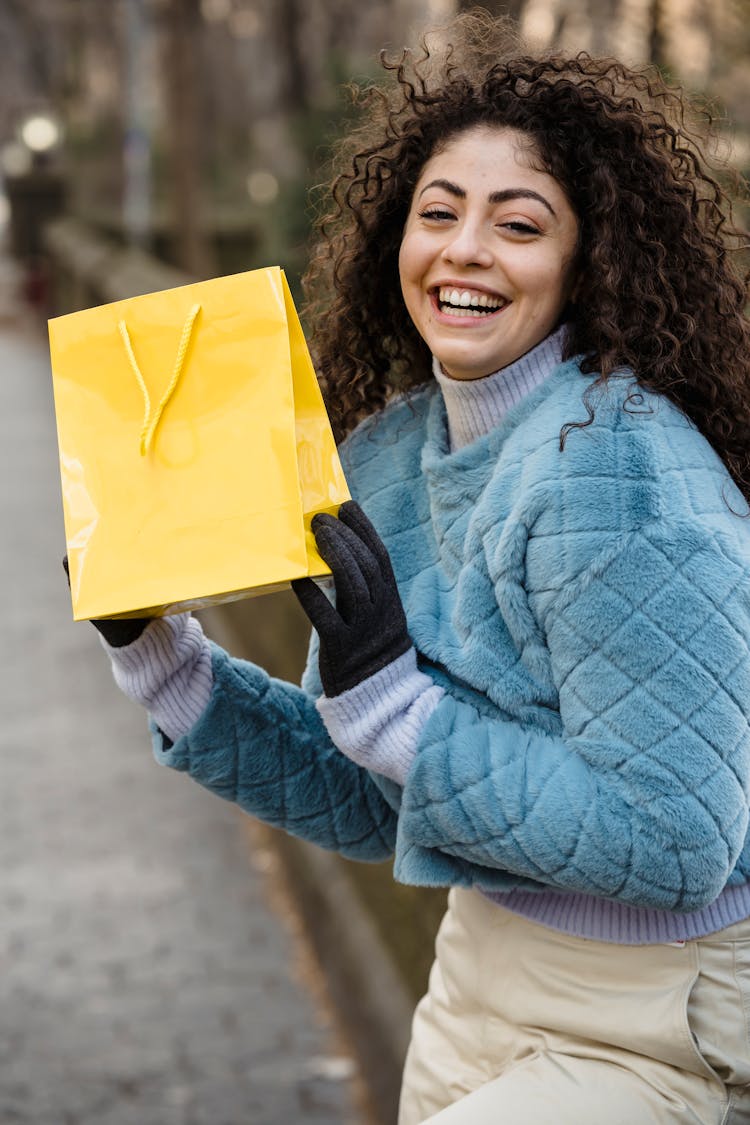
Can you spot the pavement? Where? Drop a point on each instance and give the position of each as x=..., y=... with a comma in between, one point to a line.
x=147, y=973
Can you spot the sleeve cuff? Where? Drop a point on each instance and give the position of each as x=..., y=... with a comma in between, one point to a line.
x=168, y=671
x=379, y=723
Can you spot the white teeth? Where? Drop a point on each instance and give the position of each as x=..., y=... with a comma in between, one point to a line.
x=451, y=310
x=462, y=300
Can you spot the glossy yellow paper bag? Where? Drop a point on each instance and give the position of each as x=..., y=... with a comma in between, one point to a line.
x=194, y=446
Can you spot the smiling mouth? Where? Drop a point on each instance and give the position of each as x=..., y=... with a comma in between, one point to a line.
x=468, y=302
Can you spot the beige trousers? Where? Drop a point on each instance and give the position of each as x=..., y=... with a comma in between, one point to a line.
x=525, y=1026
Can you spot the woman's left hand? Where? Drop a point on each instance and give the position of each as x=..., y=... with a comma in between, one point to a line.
x=366, y=629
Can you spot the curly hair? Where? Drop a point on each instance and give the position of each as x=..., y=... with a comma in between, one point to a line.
x=659, y=287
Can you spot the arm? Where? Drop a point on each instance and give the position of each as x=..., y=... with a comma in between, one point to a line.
x=644, y=797
x=261, y=743
x=248, y=738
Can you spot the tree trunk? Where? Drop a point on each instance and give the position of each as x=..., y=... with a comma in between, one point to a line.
x=294, y=85
x=186, y=127
x=657, y=51
x=602, y=16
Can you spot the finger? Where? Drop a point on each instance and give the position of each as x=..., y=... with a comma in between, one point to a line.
x=345, y=537
x=355, y=570
x=351, y=587
x=352, y=516
x=321, y=614
x=121, y=631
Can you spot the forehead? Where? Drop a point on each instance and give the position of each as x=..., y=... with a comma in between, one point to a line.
x=486, y=151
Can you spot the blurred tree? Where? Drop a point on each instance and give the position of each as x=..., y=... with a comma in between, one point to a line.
x=36, y=60
x=248, y=92
x=294, y=85
x=657, y=44
x=187, y=128
x=602, y=16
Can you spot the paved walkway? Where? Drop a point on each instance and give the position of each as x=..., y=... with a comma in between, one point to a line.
x=144, y=977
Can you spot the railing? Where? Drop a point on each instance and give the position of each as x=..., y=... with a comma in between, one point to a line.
x=88, y=269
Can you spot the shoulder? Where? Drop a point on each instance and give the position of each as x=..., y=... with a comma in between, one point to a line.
x=622, y=447
x=404, y=414
x=387, y=445
x=637, y=462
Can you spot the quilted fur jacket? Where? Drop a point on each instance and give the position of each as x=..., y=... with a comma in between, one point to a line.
x=586, y=610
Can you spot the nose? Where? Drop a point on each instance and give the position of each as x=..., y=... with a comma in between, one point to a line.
x=468, y=246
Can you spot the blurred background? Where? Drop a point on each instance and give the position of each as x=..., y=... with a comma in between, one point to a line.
x=147, y=143
x=195, y=128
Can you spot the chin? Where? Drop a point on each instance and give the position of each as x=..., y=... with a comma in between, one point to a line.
x=468, y=369
x=461, y=375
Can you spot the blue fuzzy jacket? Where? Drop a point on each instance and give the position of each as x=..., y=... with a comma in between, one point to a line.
x=588, y=614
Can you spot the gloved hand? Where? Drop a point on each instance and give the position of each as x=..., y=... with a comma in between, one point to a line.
x=117, y=631
x=366, y=630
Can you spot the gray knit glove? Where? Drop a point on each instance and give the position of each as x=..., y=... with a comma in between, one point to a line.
x=366, y=630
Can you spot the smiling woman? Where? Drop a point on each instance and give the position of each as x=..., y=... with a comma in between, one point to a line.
x=533, y=685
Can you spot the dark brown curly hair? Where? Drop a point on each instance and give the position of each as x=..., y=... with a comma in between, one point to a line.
x=659, y=288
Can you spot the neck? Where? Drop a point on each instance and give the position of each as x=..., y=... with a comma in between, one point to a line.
x=476, y=406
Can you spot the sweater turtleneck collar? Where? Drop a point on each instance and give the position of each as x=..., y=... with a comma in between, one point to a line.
x=476, y=406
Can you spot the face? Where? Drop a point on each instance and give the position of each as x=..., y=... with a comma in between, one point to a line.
x=486, y=260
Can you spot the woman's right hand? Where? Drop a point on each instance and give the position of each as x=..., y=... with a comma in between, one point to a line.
x=117, y=631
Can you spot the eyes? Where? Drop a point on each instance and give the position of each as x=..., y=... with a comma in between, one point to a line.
x=439, y=215
x=435, y=213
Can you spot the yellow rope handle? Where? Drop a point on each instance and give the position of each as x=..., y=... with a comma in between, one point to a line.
x=149, y=424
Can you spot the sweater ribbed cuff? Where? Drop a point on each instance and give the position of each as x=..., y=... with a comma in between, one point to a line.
x=168, y=671
x=379, y=722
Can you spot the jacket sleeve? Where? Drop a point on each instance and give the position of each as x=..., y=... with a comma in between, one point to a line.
x=644, y=796
x=261, y=743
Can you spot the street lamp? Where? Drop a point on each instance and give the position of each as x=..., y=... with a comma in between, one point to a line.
x=40, y=133
x=34, y=187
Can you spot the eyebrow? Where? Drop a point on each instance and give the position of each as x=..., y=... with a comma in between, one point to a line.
x=494, y=196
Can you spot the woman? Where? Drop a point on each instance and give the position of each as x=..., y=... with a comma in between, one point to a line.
x=534, y=687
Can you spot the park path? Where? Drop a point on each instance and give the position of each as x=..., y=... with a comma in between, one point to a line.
x=145, y=977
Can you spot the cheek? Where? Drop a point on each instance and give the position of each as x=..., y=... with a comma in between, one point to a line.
x=410, y=271
x=402, y=277
x=415, y=256
x=551, y=282
x=407, y=260
x=403, y=255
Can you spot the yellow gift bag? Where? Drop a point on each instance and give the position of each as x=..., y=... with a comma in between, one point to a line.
x=194, y=447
